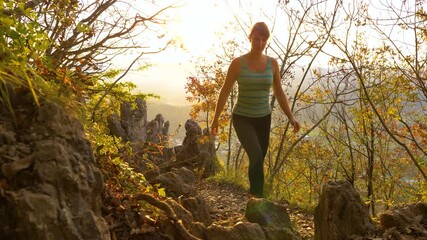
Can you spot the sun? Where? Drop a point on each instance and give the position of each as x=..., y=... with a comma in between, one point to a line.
x=196, y=23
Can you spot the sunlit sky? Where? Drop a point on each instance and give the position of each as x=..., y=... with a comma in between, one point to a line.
x=195, y=24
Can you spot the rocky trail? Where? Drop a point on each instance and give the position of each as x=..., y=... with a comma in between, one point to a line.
x=52, y=188
x=228, y=203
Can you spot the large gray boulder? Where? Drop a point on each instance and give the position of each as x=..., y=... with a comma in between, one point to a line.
x=272, y=217
x=50, y=185
x=341, y=213
x=267, y=213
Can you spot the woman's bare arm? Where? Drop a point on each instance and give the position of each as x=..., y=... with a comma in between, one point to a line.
x=230, y=79
x=281, y=96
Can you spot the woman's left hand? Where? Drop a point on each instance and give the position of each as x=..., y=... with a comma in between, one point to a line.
x=295, y=125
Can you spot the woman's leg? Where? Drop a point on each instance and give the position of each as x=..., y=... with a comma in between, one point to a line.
x=253, y=134
x=263, y=126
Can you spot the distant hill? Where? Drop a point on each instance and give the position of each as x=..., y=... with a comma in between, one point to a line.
x=176, y=115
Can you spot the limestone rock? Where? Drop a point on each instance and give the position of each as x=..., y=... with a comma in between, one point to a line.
x=199, y=209
x=267, y=213
x=341, y=213
x=177, y=184
x=186, y=175
x=409, y=220
x=133, y=126
x=240, y=231
x=115, y=126
x=280, y=233
x=272, y=217
x=134, y=120
x=51, y=185
x=198, y=150
x=157, y=129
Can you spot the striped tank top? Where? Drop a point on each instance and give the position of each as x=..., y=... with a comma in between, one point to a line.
x=254, y=91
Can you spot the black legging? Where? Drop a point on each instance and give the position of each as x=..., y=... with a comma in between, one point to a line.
x=254, y=135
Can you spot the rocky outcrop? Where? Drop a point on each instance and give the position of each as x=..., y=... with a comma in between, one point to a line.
x=157, y=130
x=199, y=209
x=197, y=151
x=272, y=217
x=267, y=213
x=50, y=186
x=405, y=222
x=269, y=220
x=134, y=120
x=341, y=213
x=132, y=125
x=264, y=220
x=178, y=182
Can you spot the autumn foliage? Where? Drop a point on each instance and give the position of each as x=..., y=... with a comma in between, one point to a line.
x=361, y=93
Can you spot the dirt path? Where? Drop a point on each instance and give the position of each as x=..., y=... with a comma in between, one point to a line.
x=228, y=204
